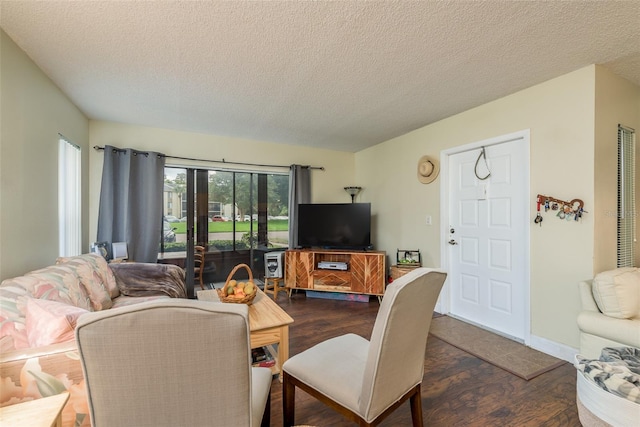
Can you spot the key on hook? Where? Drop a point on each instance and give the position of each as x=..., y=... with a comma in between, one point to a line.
x=538, y=219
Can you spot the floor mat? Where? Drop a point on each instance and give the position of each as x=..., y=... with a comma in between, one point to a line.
x=504, y=353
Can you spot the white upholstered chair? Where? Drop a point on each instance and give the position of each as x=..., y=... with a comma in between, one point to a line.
x=366, y=380
x=610, y=315
x=172, y=363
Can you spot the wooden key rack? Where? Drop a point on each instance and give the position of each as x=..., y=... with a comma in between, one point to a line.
x=569, y=210
x=572, y=204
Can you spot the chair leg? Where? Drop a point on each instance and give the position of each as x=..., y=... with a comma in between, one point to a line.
x=266, y=416
x=271, y=286
x=416, y=408
x=288, y=400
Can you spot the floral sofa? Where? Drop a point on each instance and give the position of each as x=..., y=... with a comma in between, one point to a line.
x=38, y=313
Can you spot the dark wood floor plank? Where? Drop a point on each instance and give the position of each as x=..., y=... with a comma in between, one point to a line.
x=458, y=389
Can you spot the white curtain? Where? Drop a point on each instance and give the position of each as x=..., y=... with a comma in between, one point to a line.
x=69, y=211
x=299, y=192
x=131, y=201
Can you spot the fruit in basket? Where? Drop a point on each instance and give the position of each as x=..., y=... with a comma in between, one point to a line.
x=238, y=290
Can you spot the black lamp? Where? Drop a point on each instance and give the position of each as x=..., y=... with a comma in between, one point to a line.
x=353, y=192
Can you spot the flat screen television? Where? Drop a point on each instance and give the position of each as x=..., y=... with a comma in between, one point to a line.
x=335, y=226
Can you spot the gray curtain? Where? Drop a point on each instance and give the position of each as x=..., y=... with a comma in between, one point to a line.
x=131, y=201
x=299, y=192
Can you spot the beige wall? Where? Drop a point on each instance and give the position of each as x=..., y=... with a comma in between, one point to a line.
x=326, y=186
x=617, y=102
x=32, y=113
x=560, y=115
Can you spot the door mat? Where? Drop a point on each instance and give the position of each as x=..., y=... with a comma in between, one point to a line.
x=504, y=353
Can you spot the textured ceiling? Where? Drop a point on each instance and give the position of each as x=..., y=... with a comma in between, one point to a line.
x=339, y=75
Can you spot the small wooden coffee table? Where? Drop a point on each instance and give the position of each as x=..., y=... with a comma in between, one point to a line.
x=44, y=412
x=268, y=325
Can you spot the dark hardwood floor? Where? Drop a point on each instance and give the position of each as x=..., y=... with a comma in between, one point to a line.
x=458, y=389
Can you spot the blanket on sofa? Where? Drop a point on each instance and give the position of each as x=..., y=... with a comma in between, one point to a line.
x=140, y=279
x=616, y=371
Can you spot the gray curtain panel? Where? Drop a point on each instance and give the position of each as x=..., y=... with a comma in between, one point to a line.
x=299, y=192
x=131, y=201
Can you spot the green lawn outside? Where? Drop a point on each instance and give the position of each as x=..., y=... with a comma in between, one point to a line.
x=227, y=226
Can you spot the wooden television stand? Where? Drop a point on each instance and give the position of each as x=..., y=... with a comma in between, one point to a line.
x=365, y=272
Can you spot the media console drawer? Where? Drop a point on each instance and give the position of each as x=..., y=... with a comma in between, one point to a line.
x=332, y=280
x=365, y=272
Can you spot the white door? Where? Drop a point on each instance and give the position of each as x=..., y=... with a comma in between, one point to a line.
x=488, y=236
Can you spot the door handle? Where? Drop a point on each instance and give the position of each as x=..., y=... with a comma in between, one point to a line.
x=453, y=242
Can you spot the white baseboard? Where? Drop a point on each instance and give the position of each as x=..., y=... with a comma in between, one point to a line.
x=553, y=348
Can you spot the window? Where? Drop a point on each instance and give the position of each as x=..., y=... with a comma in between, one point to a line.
x=241, y=210
x=69, y=212
x=626, y=196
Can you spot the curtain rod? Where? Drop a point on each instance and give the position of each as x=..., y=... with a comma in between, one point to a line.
x=226, y=162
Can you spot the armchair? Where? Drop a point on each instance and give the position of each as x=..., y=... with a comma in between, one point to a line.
x=610, y=315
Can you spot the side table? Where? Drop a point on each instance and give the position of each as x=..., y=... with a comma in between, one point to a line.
x=397, y=271
x=268, y=324
x=45, y=412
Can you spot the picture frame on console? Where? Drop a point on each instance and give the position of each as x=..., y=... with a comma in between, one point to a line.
x=408, y=258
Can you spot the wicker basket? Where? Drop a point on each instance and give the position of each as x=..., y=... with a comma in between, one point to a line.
x=248, y=299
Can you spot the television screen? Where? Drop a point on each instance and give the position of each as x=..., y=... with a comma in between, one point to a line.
x=334, y=225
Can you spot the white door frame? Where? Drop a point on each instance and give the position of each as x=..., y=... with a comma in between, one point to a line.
x=444, y=302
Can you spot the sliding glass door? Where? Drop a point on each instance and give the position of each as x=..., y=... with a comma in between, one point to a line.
x=236, y=215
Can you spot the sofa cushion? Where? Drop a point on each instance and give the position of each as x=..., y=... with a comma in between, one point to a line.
x=50, y=322
x=617, y=292
x=102, y=272
x=98, y=294
x=13, y=331
x=56, y=283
